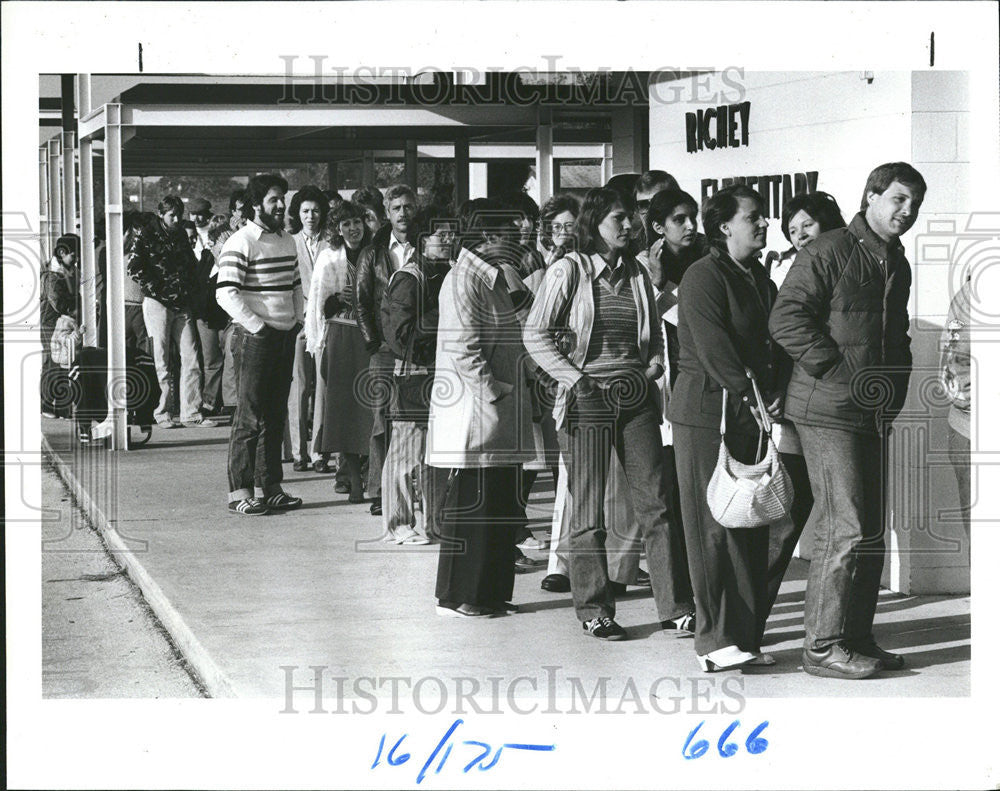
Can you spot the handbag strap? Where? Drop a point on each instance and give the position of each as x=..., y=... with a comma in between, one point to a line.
x=765, y=419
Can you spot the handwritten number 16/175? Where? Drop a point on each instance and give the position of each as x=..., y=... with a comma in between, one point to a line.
x=395, y=757
x=755, y=743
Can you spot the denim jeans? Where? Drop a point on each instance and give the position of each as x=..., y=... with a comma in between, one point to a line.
x=166, y=326
x=596, y=423
x=783, y=536
x=846, y=474
x=228, y=366
x=212, y=360
x=263, y=367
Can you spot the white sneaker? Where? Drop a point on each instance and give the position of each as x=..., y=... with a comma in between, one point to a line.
x=538, y=544
x=103, y=429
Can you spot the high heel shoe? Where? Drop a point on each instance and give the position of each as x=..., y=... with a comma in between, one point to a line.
x=726, y=658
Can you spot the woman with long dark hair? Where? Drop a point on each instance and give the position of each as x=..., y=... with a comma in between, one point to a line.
x=724, y=302
x=342, y=421
x=594, y=329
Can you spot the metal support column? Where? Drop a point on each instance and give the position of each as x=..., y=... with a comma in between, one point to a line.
x=69, y=181
x=88, y=257
x=607, y=164
x=461, y=171
x=44, y=205
x=115, y=283
x=331, y=175
x=368, y=168
x=410, y=164
x=55, y=211
x=544, y=155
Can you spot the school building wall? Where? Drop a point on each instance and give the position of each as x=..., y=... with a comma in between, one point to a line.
x=828, y=130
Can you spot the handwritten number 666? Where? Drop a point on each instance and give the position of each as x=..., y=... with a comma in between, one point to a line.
x=755, y=743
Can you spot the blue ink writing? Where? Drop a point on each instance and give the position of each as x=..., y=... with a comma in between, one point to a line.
x=755, y=743
x=481, y=760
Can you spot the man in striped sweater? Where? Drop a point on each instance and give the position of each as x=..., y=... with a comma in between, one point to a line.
x=259, y=287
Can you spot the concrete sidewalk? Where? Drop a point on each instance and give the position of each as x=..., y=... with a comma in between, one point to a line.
x=244, y=597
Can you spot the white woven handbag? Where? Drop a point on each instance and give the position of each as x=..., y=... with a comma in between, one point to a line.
x=749, y=495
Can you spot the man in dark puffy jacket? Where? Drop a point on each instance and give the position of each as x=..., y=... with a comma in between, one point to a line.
x=390, y=250
x=842, y=316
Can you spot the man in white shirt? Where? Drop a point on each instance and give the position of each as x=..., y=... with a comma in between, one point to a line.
x=391, y=249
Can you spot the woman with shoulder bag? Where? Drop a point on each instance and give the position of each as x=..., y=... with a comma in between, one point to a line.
x=724, y=302
x=60, y=288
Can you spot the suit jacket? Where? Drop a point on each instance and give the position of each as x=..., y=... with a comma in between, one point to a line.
x=722, y=331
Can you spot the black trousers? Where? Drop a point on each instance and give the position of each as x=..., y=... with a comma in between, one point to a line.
x=478, y=528
x=728, y=567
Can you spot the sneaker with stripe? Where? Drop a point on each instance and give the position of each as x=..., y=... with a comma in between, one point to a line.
x=248, y=506
x=281, y=502
x=604, y=628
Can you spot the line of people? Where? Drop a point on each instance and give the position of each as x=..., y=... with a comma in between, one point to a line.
x=481, y=351
x=440, y=360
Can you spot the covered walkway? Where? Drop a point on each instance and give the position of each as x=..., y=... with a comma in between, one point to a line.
x=170, y=125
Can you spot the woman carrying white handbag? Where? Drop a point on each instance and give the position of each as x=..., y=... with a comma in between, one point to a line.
x=724, y=301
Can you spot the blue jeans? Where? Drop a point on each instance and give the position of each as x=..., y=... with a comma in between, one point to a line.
x=596, y=424
x=846, y=471
x=263, y=368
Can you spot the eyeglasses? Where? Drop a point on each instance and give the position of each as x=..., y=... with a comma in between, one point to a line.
x=562, y=227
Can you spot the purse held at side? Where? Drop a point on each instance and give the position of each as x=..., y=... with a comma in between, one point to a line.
x=749, y=495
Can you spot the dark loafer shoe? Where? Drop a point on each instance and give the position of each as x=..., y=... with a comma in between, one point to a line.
x=889, y=660
x=301, y=466
x=376, y=508
x=642, y=579
x=556, y=583
x=839, y=661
